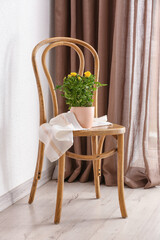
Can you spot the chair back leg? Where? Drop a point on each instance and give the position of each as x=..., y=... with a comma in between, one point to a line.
x=38, y=170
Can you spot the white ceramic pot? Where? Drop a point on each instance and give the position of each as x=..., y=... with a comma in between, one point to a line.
x=84, y=115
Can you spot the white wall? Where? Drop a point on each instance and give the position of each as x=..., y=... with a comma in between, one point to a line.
x=23, y=23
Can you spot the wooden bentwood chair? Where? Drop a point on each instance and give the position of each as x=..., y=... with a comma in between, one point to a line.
x=97, y=134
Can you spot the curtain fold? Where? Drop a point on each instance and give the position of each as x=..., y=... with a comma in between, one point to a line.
x=126, y=35
x=134, y=89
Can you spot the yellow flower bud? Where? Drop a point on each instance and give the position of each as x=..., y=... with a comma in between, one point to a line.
x=73, y=74
x=87, y=74
x=79, y=78
x=69, y=75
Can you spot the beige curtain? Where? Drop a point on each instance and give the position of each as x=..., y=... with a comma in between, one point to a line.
x=134, y=89
x=126, y=35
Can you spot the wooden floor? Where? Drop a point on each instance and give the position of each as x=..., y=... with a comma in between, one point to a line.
x=83, y=216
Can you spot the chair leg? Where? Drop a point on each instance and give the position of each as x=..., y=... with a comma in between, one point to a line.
x=100, y=147
x=38, y=170
x=95, y=166
x=60, y=186
x=120, y=175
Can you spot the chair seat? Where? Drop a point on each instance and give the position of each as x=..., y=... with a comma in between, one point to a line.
x=113, y=129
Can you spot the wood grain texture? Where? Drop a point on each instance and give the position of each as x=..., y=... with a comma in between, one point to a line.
x=96, y=157
x=53, y=43
x=120, y=175
x=74, y=41
x=46, y=71
x=38, y=171
x=95, y=166
x=100, y=148
x=60, y=186
x=84, y=217
x=97, y=154
x=113, y=129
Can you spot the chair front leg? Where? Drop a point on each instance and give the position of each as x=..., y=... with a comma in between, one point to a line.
x=120, y=175
x=38, y=170
x=95, y=166
x=60, y=187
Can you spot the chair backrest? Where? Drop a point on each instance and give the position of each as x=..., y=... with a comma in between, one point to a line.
x=52, y=43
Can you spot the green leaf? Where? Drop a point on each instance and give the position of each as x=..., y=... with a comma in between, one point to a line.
x=79, y=92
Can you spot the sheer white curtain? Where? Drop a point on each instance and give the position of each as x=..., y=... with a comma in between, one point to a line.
x=134, y=99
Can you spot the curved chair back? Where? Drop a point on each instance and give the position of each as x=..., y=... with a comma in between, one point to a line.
x=52, y=43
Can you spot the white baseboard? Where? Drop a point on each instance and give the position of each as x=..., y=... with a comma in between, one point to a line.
x=22, y=190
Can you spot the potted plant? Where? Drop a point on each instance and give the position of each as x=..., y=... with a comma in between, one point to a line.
x=78, y=92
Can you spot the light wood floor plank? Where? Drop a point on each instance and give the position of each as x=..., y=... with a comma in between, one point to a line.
x=83, y=216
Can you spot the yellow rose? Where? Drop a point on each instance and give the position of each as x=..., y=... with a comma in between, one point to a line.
x=69, y=75
x=87, y=74
x=79, y=78
x=73, y=74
